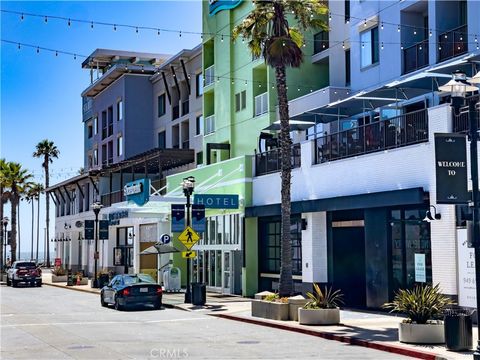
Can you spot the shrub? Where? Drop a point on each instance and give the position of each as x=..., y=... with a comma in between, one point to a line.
x=275, y=298
x=58, y=271
x=420, y=304
x=328, y=299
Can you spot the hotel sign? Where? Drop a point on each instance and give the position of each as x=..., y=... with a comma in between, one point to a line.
x=137, y=191
x=215, y=6
x=216, y=201
x=451, y=168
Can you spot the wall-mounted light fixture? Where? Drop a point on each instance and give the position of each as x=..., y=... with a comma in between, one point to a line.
x=304, y=224
x=428, y=215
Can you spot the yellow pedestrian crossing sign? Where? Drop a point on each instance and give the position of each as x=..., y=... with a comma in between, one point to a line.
x=189, y=254
x=188, y=237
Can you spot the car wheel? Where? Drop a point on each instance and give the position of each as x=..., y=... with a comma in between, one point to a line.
x=157, y=305
x=39, y=283
x=9, y=283
x=102, y=302
x=14, y=283
x=117, y=305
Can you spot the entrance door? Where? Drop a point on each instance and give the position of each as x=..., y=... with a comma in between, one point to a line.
x=349, y=264
x=227, y=265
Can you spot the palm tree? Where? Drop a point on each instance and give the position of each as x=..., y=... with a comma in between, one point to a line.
x=33, y=193
x=3, y=200
x=268, y=33
x=47, y=150
x=16, y=180
x=38, y=190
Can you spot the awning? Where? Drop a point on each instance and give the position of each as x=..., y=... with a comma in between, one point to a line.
x=295, y=125
x=159, y=249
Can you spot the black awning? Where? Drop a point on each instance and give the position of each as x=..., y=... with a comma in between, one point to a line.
x=379, y=199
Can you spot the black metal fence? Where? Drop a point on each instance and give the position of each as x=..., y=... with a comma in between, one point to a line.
x=415, y=57
x=452, y=43
x=461, y=123
x=270, y=161
x=390, y=133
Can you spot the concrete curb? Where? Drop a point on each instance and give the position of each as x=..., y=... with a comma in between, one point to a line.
x=345, y=339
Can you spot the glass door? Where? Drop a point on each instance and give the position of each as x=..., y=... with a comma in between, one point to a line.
x=227, y=265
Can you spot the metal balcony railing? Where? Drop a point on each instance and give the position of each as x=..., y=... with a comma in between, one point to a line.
x=390, y=133
x=452, y=43
x=415, y=57
x=261, y=104
x=270, y=161
x=210, y=75
x=461, y=123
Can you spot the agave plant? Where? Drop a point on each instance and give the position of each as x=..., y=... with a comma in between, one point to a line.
x=328, y=299
x=420, y=304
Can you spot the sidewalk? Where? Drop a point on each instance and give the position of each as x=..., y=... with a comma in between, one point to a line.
x=374, y=330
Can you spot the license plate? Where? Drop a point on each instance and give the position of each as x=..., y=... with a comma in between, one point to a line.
x=143, y=290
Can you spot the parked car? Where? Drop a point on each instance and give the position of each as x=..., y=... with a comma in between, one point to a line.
x=130, y=290
x=26, y=272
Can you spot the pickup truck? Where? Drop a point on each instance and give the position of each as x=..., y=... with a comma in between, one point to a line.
x=25, y=272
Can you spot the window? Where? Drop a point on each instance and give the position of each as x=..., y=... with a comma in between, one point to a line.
x=240, y=100
x=104, y=154
x=110, y=152
x=369, y=47
x=200, y=158
x=120, y=146
x=89, y=130
x=199, y=84
x=104, y=124
x=95, y=125
x=95, y=157
x=209, y=124
x=321, y=41
x=347, y=67
x=119, y=110
x=161, y=140
x=161, y=105
x=110, y=121
x=261, y=104
x=199, y=125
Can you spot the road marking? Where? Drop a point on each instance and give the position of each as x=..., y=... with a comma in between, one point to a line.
x=105, y=322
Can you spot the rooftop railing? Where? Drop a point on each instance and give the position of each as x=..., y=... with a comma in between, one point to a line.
x=271, y=161
x=398, y=131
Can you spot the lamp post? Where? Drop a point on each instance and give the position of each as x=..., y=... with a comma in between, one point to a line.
x=3, y=246
x=188, y=185
x=96, y=206
x=459, y=86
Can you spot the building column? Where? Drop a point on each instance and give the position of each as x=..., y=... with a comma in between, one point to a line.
x=314, y=250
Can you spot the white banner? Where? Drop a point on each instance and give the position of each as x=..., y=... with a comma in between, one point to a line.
x=466, y=271
x=420, y=268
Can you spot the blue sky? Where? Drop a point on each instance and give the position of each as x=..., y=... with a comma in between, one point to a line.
x=40, y=93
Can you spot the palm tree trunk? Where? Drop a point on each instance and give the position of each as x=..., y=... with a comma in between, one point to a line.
x=2, y=243
x=285, y=287
x=38, y=227
x=47, y=215
x=33, y=228
x=18, y=224
x=13, y=244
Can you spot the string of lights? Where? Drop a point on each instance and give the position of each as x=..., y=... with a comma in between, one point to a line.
x=159, y=30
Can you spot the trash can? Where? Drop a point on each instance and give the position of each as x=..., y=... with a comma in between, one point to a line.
x=458, y=328
x=199, y=293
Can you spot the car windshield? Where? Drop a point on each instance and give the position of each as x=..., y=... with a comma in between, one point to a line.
x=140, y=278
x=25, y=265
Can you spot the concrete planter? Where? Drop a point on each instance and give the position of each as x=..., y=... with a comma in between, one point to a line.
x=59, y=278
x=270, y=310
x=294, y=303
x=432, y=333
x=318, y=316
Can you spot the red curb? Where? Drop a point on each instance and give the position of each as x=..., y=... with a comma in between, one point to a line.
x=345, y=339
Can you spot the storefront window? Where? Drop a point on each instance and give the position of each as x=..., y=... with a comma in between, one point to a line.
x=219, y=229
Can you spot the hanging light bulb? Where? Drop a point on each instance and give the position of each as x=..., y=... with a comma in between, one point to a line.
x=398, y=28
x=245, y=82
x=446, y=36
x=243, y=40
x=136, y=30
x=420, y=47
x=382, y=45
x=56, y=53
x=311, y=90
x=365, y=23
x=114, y=27
x=430, y=33
x=91, y=25
x=363, y=45
x=329, y=16
x=221, y=38
x=414, y=31
x=74, y=56
x=46, y=19
x=476, y=40
x=201, y=36
x=18, y=46
x=259, y=85
x=381, y=26
x=343, y=44
x=69, y=23
x=158, y=31
x=232, y=82
x=38, y=49
x=298, y=89
x=179, y=34
x=21, y=17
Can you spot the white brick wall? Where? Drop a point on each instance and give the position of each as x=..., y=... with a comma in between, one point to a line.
x=314, y=248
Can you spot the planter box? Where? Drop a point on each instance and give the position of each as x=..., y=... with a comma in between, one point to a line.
x=318, y=316
x=59, y=278
x=294, y=303
x=262, y=295
x=270, y=310
x=421, y=333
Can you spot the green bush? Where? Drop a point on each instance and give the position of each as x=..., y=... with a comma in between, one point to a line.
x=275, y=298
x=328, y=299
x=420, y=304
x=58, y=271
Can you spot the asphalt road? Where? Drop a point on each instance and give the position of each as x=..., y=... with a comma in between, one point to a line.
x=52, y=323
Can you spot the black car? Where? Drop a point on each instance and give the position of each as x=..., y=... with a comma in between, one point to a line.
x=131, y=290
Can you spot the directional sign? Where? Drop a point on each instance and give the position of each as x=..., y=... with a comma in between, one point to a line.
x=165, y=238
x=188, y=237
x=189, y=254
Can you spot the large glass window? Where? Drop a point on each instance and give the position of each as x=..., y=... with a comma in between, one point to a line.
x=161, y=105
x=199, y=84
x=119, y=110
x=369, y=47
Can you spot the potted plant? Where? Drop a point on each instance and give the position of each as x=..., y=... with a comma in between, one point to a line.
x=59, y=274
x=423, y=305
x=322, y=307
x=271, y=307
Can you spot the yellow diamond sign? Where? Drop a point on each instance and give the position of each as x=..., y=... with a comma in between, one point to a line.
x=189, y=254
x=188, y=237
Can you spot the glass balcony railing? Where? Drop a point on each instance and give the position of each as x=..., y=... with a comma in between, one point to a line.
x=415, y=56
x=210, y=75
x=452, y=43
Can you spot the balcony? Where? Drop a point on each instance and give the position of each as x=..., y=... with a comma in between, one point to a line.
x=452, y=43
x=399, y=131
x=320, y=42
x=112, y=198
x=270, y=161
x=175, y=112
x=415, y=57
x=209, y=124
x=209, y=75
x=461, y=123
x=185, y=107
x=261, y=104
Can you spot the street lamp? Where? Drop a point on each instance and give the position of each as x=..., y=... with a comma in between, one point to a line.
x=458, y=87
x=4, y=243
x=96, y=206
x=188, y=184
